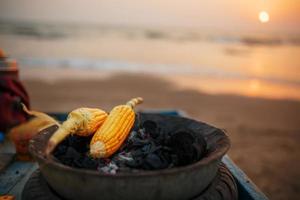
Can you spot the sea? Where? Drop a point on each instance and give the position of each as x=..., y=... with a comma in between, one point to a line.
x=265, y=65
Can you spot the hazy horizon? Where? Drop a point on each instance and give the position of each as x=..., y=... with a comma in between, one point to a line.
x=229, y=15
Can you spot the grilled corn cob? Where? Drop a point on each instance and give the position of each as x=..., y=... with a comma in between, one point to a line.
x=81, y=121
x=110, y=136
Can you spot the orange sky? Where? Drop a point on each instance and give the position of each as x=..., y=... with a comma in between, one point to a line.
x=220, y=14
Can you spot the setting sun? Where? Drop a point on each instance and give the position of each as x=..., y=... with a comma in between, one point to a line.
x=263, y=17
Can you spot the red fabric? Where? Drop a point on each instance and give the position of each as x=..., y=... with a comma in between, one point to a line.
x=12, y=93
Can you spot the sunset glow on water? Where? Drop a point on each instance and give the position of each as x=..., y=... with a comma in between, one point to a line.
x=251, y=50
x=246, y=65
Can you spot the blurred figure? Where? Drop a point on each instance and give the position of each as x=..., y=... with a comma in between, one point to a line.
x=16, y=120
x=12, y=93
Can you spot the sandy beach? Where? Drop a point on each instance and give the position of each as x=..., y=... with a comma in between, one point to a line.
x=264, y=132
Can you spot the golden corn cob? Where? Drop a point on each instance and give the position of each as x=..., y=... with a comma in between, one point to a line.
x=110, y=136
x=81, y=121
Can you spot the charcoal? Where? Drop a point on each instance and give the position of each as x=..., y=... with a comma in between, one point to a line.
x=142, y=134
x=182, y=145
x=137, y=153
x=175, y=159
x=78, y=162
x=132, y=136
x=125, y=157
x=70, y=156
x=135, y=163
x=151, y=128
x=72, y=153
x=165, y=158
x=88, y=163
x=136, y=142
x=152, y=161
x=110, y=168
x=79, y=143
x=102, y=162
x=162, y=139
x=60, y=150
x=148, y=147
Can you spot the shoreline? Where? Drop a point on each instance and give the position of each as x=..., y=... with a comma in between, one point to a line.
x=252, y=88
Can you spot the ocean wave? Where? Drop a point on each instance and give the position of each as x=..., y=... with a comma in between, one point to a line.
x=32, y=30
x=133, y=67
x=61, y=31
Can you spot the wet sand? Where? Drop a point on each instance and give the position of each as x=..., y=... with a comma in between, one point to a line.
x=264, y=133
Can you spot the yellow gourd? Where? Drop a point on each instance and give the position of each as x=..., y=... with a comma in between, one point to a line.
x=110, y=136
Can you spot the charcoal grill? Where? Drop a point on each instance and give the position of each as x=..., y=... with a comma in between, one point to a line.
x=173, y=183
x=246, y=189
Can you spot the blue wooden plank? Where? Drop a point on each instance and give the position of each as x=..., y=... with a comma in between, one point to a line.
x=5, y=160
x=18, y=188
x=247, y=189
x=13, y=174
x=59, y=116
x=169, y=112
